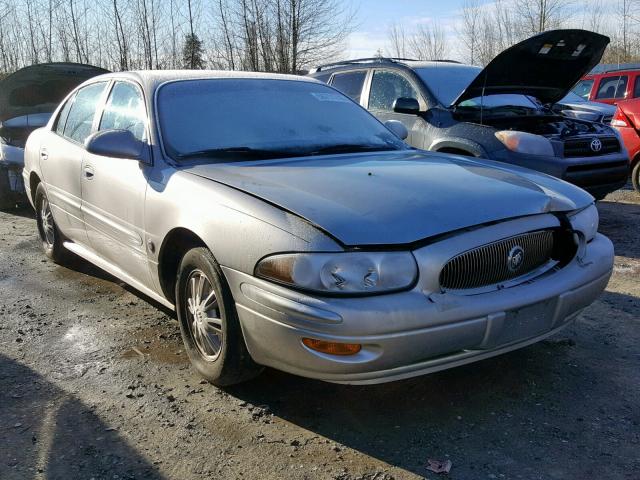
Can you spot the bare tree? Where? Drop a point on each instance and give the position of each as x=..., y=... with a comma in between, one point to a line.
x=398, y=39
x=471, y=24
x=428, y=42
x=540, y=15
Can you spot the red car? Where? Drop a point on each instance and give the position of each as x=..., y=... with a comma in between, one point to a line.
x=627, y=121
x=611, y=86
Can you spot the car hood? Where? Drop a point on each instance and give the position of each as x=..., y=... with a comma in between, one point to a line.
x=595, y=107
x=392, y=198
x=40, y=88
x=545, y=66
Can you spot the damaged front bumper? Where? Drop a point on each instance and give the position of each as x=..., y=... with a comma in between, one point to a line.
x=414, y=332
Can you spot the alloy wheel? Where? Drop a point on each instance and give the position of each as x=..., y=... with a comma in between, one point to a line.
x=46, y=222
x=204, y=319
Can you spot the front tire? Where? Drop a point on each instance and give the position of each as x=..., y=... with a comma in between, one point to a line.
x=50, y=236
x=209, y=322
x=635, y=176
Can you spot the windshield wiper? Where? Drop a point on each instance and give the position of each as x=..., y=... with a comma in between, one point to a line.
x=350, y=148
x=223, y=153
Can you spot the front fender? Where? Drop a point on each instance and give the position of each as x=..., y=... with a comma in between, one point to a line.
x=238, y=228
x=474, y=148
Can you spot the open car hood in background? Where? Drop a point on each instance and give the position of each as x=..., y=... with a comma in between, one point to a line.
x=545, y=66
x=40, y=88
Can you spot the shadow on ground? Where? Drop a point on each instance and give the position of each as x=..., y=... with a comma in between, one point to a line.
x=20, y=211
x=520, y=415
x=619, y=221
x=48, y=433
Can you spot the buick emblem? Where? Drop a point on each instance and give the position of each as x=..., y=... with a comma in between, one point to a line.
x=515, y=258
x=596, y=145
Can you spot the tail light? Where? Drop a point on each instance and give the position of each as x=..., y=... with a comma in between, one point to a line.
x=620, y=119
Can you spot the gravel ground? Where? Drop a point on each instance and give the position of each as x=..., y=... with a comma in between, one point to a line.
x=94, y=384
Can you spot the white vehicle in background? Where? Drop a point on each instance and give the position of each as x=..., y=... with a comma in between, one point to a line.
x=28, y=97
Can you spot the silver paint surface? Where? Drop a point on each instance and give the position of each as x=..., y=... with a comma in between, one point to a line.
x=245, y=211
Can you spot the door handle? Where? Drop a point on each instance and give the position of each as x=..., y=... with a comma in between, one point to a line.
x=88, y=172
x=44, y=155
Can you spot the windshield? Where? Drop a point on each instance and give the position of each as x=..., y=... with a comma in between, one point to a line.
x=573, y=98
x=503, y=100
x=222, y=119
x=447, y=82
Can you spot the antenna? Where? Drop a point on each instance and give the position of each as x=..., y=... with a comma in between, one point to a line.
x=484, y=86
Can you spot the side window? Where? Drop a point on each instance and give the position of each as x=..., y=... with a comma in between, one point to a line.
x=583, y=88
x=62, y=117
x=613, y=87
x=83, y=111
x=386, y=88
x=636, y=87
x=323, y=77
x=125, y=110
x=350, y=83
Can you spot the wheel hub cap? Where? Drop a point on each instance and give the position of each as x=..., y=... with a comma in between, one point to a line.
x=205, y=323
x=46, y=219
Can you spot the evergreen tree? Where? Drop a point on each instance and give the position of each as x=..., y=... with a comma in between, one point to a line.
x=192, y=52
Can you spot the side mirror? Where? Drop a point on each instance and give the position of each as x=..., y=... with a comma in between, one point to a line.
x=406, y=105
x=397, y=128
x=115, y=144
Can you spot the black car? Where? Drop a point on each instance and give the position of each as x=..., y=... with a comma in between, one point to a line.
x=503, y=112
x=28, y=97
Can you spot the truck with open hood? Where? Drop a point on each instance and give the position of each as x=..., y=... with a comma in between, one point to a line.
x=28, y=97
x=504, y=111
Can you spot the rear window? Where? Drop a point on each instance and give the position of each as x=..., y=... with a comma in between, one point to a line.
x=350, y=83
x=583, y=88
x=613, y=87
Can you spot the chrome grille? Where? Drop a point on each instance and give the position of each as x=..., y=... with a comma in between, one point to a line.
x=489, y=264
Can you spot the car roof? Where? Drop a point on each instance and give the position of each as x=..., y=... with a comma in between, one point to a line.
x=152, y=79
x=374, y=62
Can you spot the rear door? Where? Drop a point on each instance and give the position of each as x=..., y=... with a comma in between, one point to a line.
x=385, y=88
x=113, y=189
x=61, y=155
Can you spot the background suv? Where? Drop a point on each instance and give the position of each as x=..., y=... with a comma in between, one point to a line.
x=610, y=86
x=502, y=112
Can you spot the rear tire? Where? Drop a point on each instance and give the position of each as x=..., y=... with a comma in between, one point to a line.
x=635, y=176
x=209, y=322
x=51, y=238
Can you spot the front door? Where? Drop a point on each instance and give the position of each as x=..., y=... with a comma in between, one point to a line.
x=113, y=189
x=61, y=159
x=386, y=87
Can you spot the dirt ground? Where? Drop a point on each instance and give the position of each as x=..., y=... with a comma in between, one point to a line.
x=94, y=384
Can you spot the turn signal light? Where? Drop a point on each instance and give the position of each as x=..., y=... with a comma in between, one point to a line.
x=332, y=348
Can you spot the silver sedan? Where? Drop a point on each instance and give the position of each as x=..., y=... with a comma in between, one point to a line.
x=289, y=228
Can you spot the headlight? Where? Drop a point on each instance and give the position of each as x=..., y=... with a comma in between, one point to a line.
x=586, y=221
x=342, y=272
x=523, y=142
